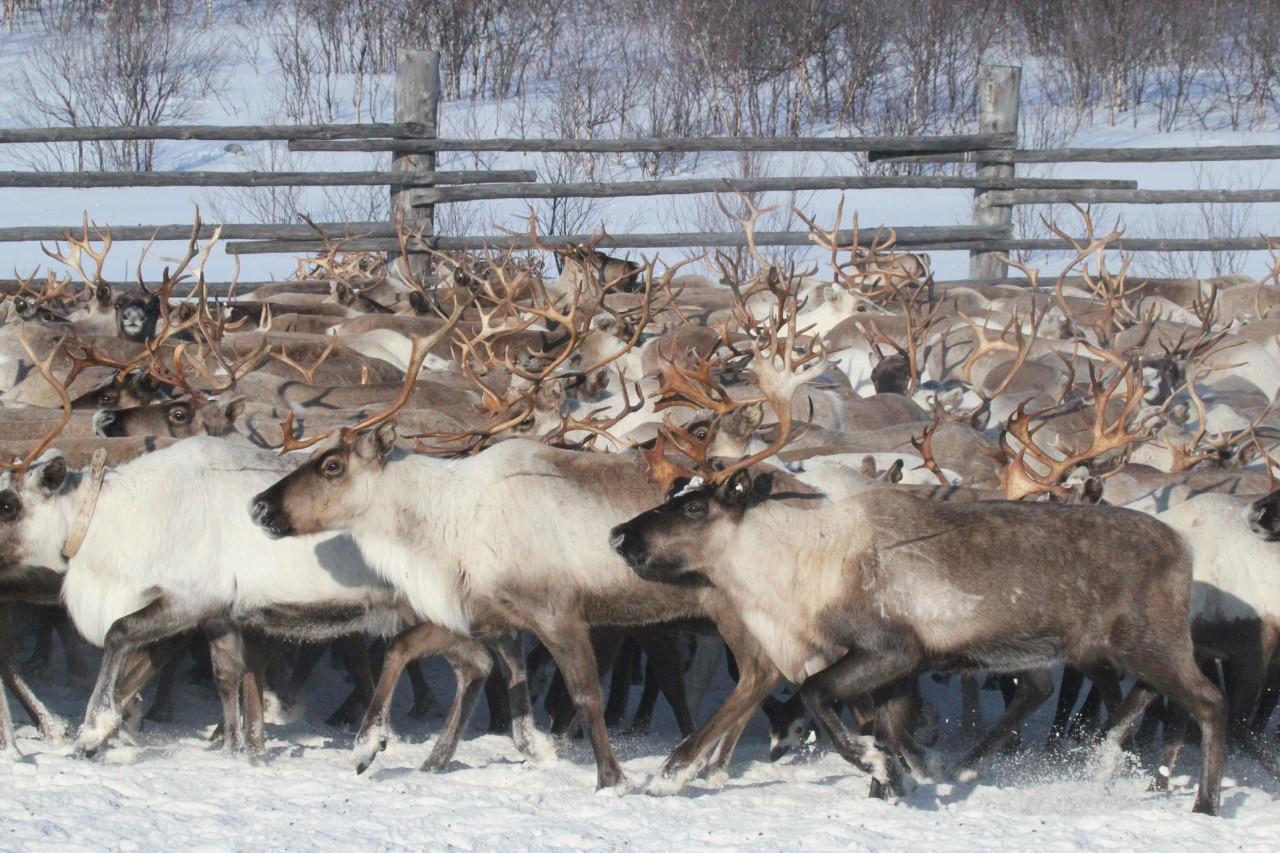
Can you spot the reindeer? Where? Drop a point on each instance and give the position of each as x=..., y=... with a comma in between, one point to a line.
x=862, y=624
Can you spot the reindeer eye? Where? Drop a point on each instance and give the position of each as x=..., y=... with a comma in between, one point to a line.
x=107, y=399
x=331, y=467
x=10, y=506
x=178, y=415
x=701, y=433
x=526, y=424
x=694, y=510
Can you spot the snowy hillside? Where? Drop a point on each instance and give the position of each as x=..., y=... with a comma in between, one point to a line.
x=250, y=85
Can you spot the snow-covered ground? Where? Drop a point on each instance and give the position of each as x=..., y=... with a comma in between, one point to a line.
x=172, y=789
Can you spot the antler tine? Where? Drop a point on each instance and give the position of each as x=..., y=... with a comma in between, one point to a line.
x=308, y=373
x=78, y=247
x=695, y=389
x=924, y=446
x=599, y=427
x=289, y=443
x=779, y=375
x=176, y=375
x=1019, y=481
x=658, y=464
x=421, y=348
x=530, y=232
x=45, y=367
x=748, y=223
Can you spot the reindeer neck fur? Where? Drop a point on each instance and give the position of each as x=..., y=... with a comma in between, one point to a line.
x=413, y=532
x=778, y=547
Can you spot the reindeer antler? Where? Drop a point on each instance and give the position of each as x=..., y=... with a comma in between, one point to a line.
x=45, y=367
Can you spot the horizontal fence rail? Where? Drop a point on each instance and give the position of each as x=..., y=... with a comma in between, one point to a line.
x=215, y=132
x=959, y=236
x=88, y=180
x=1090, y=196
x=626, y=189
x=1183, y=154
x=852, y=144
x=231, y=231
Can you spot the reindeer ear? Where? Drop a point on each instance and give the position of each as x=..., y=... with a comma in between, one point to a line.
x=121, y=299
x=102, y=293
x=376, y=445
x=1092, y=492
x=345, y=294
x=52, y=475
x=153, y=303
x=752, y=415
x=235, y=409
x=678, y=485
x=736, y=489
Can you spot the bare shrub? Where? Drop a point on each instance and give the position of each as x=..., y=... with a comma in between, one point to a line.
x=132, y=66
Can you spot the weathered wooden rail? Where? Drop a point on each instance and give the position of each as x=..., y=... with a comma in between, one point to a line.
x=416, y=185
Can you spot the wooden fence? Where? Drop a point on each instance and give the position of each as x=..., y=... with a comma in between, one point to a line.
x=416, y=186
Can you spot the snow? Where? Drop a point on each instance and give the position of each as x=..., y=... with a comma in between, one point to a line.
x=172, y=787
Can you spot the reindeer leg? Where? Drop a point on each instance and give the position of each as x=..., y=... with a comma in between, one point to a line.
x=154, y=622
x=1068, y=695
x=568, y=637
x=471, y=664
x=226, y=648
x=72, y=651
x=970, y=702
x=255, y=678
x=42, y=655
x=52, y=728
x=354, y=655
x=424, y=703
x=308, y=656
x=495, y=695
x=643, y=717
x=8, y=742
x=662, y=648
x=857, y=673
x=425, y=638
x=757, y=676
x=706, y=659
x=1033, y=690
x=624, y=666
x=162, y=704
x=524, y=730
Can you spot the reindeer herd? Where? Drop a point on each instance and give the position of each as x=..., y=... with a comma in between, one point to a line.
x=849, y=479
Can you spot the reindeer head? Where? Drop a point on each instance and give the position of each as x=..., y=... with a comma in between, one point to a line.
x=137, y=316
x=682, y=539
x=32, y=530
x=330, y=489
x=684, y=536
x=333, y=487
x=177, y=418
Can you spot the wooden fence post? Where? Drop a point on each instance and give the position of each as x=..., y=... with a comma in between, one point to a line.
x=417, y=97
x=997, y=113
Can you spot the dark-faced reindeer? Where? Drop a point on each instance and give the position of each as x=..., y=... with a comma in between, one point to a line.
x=863, y=593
